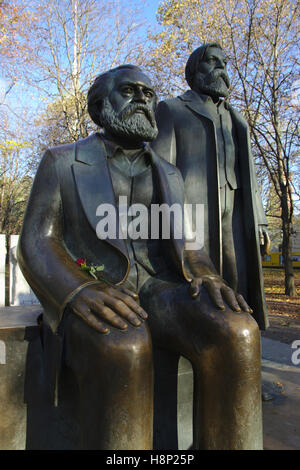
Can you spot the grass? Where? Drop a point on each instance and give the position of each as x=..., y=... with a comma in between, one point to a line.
x=278, y=302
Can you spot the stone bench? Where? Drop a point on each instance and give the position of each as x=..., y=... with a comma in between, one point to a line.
x=29, y=421
x=18, y=329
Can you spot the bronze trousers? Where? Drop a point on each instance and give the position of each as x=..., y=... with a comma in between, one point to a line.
x=114, y=372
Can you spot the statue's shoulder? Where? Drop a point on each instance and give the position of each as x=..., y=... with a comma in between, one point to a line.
x=189, y=95
x=69, y=150
x=166, y=166
x=92, y=139
x=60, y=150
x=170, y=110
x=176, y=101
x=69, y=147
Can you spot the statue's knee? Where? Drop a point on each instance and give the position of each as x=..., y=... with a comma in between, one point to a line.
x=126, y=347
x=86, y=349
x=241, y=334
x=136, y=344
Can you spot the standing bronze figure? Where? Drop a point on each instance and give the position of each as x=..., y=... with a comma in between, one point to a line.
x=151, y=293
x=208, y=140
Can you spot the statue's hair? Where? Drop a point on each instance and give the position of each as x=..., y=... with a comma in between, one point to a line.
x=194, y=60
x=101, y=88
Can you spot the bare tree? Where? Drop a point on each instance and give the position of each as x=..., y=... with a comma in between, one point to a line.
x=15, y=179
x=75, y=40
x=267, y=68
x=261, y=39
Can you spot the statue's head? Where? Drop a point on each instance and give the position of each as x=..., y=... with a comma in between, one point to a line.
x=205, y=71
x=122, y=102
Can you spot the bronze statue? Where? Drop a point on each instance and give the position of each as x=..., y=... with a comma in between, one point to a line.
x=208, y=140
x=151, y=292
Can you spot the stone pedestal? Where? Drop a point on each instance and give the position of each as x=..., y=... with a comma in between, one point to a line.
x=29, y=421
x=18, y=329
x=20, y=293
x=2, y=270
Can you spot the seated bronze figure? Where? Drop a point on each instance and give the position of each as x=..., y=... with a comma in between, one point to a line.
x=151, y=293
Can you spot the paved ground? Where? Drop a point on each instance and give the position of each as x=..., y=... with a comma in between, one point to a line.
x=281, y=388
x=283, y=328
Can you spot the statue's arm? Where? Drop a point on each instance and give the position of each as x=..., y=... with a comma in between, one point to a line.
x=258, y=206
x=53, y=273
x=42, y=256
x=260, y=216
x=260, y=213
x=165, y=143
x=261, y=219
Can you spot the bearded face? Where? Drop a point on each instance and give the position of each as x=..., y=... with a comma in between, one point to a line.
x=215, y=83
x=135, y=122
x=211, y=76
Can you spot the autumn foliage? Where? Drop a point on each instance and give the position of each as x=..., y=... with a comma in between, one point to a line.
x=261, y=38
x=15, y=26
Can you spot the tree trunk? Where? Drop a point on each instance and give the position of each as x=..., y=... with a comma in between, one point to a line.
x=7, y=273
x=289, y=280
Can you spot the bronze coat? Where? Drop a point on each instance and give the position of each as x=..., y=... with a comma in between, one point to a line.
x=187, y=139
x=60, y=223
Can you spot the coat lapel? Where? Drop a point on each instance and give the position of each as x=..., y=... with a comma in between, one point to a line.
x=169, y=185
x=94, y=183
x=195, y=103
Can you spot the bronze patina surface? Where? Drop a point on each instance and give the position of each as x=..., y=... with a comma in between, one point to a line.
x=154, y=294
x=208, y=140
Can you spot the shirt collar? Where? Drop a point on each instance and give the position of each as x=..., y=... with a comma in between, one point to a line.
x=114, y=149
x=221, y=104
x=208, y=99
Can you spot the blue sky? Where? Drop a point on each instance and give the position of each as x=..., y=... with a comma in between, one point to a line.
x=151, y=9
x=20, y=95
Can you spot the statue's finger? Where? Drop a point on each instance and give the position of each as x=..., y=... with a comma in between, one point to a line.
x=109, y=316
x=215, y=294
x=131, y=303
x=243, y=304
x=194, y=288
x=121, y=309
x=230, y=298
x=91, y=320
x=129, y=292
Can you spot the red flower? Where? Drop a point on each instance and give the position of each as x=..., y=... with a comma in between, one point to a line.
x=92, y=270
x=81, y=261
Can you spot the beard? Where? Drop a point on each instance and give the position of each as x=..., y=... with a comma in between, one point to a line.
x=129, y=124
x=215, y=83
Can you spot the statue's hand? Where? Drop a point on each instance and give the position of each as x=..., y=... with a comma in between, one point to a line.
x=108, y=304
x=265, y=242
x=219, y=292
